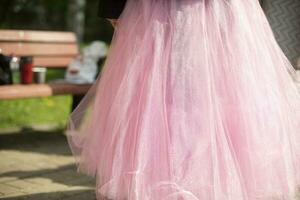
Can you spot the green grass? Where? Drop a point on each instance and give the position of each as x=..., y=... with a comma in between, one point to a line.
x=23, y=113
x=38, y=111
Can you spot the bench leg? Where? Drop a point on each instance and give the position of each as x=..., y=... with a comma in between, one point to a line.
x=76, y=100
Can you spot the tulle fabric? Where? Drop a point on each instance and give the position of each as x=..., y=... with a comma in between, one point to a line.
x=196, y=101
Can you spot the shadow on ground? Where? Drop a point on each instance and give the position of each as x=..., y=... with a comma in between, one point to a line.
x=30, y=140
x=65, y=175
x=69, y=195
x=38, y=165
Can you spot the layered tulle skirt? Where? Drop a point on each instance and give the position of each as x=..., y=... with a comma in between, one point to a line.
x=196, y=101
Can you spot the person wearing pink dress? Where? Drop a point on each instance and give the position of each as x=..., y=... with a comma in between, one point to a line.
x=196, y=101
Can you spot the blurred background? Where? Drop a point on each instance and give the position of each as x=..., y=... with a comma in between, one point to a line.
x=78, y=16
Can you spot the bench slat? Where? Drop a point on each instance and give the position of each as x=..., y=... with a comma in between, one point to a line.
x=38, y=49
x=37, y=36
x=52, y=62
x=41, y=90
x=49, y=49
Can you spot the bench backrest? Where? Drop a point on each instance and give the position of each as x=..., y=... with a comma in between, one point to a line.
x=48, y=48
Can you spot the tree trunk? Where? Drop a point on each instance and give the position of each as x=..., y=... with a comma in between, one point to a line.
x=76, y=17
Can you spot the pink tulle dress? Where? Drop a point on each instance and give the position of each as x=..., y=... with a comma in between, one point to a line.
x=196, y=101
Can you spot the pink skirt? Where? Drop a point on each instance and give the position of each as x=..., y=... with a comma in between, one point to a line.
x=196, y=101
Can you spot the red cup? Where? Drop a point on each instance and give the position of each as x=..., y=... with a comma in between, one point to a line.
x=26, y=66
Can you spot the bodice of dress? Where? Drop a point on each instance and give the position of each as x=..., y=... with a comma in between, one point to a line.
x=110, y=8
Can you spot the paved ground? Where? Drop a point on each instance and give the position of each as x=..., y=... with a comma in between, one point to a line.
x=38, y=165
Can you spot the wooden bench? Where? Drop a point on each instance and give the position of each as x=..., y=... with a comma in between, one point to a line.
x=49, y=49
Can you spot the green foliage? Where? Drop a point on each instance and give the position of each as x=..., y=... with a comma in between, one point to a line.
x=33, y=14
x=53, y=74
x=52, y=15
